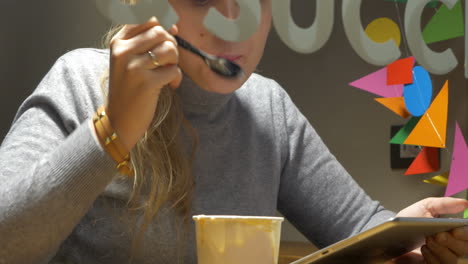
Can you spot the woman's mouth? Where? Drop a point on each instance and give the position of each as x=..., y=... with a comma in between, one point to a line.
x=233, y=58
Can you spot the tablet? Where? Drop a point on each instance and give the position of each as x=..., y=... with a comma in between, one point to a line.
x=384, y=242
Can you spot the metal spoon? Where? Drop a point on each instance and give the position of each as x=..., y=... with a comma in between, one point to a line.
x=221, y=66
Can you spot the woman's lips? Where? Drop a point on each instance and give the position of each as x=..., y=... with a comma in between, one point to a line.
x=232, y=58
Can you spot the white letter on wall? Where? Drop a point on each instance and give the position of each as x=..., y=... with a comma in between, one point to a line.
x=379, y=54
x=120, y=13
x=437, y=63
x=235, y=30
x=300, y=39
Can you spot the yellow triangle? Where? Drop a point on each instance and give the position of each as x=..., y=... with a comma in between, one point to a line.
x=441, y=180
x=395, y=104
x=432, y=128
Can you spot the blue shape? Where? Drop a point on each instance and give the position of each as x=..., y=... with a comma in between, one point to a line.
x=418, y=95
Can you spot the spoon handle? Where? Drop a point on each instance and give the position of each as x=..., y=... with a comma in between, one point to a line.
x=184, y=44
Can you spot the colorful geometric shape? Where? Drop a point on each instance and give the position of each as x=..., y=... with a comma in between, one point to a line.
x=426, y=161
x=395, y=104
x=404, y=132
x=384, y=29
x=376, y=83
x=458, y=179
x=445, y=24
x=441, y=180
x=400, y=71
x=465, y=213
x=418, y=94
x=431, y=130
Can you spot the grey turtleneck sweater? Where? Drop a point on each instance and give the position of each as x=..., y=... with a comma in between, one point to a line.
x=62, y=202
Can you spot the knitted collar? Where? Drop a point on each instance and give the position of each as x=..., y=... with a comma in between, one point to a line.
x=197, y=101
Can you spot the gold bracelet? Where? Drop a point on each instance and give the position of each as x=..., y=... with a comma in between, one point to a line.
x=111, y=143
x=111, y=135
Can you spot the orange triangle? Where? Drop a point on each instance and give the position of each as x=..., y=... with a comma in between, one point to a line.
x=426, y=161
x=432, y=128
x=396, y=104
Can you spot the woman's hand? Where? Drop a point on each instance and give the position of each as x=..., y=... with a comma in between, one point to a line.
x=135, y=81
x=444, y=247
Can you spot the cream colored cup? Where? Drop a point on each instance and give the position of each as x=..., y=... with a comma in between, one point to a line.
x=237, y=239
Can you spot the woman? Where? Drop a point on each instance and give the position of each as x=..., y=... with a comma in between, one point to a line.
x=209, y=145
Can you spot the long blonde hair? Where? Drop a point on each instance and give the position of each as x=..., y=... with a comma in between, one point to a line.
x=161, y=163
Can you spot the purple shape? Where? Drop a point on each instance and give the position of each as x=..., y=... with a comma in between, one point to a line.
x=376, y=83
x=458, y=179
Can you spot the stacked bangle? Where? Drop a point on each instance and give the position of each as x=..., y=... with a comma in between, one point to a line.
x=111, y=143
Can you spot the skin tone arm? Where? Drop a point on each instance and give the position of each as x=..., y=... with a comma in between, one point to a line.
x=134, y=81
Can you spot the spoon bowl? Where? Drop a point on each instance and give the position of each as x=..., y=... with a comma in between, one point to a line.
x=221, y=66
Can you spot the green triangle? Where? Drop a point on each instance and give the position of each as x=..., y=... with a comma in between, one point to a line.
x=445, y=24
x=404, y=132
x=465, y=214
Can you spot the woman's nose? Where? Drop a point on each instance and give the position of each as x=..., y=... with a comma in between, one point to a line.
x=229, y=8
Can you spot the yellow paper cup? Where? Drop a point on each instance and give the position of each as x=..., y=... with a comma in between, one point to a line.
x=230, y=239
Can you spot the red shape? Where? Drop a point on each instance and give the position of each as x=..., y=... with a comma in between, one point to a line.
x=426, y=161
x=400, y=71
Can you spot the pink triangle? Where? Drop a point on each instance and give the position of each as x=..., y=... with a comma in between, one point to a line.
x=376, y=83
x=458, y=180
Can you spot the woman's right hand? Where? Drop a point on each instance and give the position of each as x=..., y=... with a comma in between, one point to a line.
x=135, y=82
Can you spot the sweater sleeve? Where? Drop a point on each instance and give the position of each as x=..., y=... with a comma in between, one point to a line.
x=317, y=195
x=52, y=167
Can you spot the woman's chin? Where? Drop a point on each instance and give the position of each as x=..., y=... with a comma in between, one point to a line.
x=228, y=86
x=216, y=83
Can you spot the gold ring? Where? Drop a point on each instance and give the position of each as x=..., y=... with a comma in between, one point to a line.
x=153, y=59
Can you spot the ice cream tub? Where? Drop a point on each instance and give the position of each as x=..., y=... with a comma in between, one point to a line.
x=232, y=239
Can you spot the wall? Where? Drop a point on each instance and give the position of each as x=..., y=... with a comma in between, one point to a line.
x=352, y=124
x=33, y=34
x=356, y=128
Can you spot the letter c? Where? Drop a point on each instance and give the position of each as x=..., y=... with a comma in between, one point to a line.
x=379, y=54
x=437, y=63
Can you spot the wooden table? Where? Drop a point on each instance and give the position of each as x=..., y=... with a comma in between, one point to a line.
x=291, y=251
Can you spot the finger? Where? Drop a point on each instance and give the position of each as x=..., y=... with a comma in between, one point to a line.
x=428, y=256
x=461, y=233
x=149, y=39
x=443, y=254
x=162, y=76
x=456, y=245
x=414, y=256
x=445, y=205
x=129, y=31
x=164, y=54
x=176, y=82
x=174, y=30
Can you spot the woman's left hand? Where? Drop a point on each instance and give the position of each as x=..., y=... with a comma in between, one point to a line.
x=443, y=247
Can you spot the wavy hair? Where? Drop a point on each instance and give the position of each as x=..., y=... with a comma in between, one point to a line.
x=161, y=163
